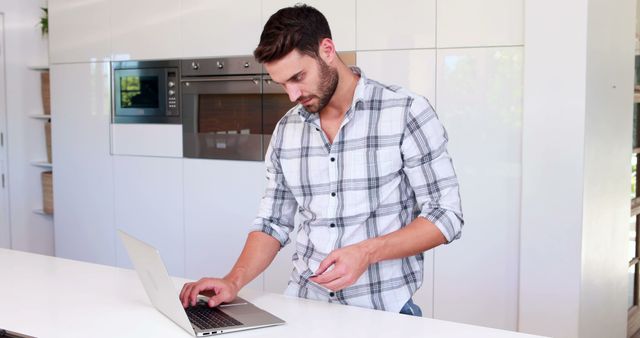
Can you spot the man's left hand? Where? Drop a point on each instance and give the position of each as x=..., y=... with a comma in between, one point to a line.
x=349, y=263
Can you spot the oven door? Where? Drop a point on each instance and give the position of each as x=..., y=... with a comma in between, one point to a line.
x=141, y=96
x=222, y=118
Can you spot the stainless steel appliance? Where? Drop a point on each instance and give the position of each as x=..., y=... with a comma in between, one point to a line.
x=146, y=91
x=230, y=108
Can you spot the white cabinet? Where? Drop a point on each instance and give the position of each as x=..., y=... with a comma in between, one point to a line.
x=397, y=24
x=78, y=31
x=480, y=104
x=472, y=23
x=148, y=205
x=221, y=200
x=219, y=28
x=83, y=178
x=414, y=70
x=340, y=15
x=145, y=29
x=163, y=140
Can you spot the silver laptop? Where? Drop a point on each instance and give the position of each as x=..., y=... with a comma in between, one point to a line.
x=199, y=320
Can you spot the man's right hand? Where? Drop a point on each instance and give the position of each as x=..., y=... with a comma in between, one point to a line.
x=223, y=290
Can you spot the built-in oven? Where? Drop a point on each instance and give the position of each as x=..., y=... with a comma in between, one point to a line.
x=229, y=107
x=146, y=91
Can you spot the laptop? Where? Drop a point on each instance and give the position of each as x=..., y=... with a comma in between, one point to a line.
x=199, y=320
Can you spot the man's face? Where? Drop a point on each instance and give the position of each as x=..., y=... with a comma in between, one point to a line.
x=307, y=80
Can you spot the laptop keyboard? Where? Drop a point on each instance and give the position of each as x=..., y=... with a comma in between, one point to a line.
x=205, y=317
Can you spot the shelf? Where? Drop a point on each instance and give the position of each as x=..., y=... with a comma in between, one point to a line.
x=40, y=116
x=41, y=212
x=43, y=164
x=39, y=68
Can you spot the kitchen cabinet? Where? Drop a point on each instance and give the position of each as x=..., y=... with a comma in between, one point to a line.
x=145, y=29
x=79, y=31
x=221, y=200
x=471, y=23
x=414, y=70
x=219, y=28
x=479, y=95
x=148, y=204
x=340, y=15
x=396, y=24
x=83, y=179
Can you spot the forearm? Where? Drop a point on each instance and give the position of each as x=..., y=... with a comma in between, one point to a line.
x=259, y=251
x=418, y=236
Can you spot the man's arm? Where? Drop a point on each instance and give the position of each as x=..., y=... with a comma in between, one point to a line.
x=259, y=251
x=352, y=261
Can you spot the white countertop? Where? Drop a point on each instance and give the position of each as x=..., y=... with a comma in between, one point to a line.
x=52, y=297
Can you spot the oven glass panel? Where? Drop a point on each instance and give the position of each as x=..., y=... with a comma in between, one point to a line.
x=273, y=109
x=139, y=92
x=227, y=126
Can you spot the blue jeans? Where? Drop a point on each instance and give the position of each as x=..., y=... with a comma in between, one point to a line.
x=412, y=309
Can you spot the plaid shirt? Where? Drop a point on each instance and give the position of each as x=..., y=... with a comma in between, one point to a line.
x=387, y=165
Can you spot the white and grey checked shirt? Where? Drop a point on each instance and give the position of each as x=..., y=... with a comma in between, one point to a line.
x=387, y=165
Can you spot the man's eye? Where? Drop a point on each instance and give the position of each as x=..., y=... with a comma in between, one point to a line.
x=298, y=77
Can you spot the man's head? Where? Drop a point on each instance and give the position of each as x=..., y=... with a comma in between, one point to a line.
x=297, y=51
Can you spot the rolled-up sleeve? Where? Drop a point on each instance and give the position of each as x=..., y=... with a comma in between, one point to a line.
x=430, y=171
x=278, y=206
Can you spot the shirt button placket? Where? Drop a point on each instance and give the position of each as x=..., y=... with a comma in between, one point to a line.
x=333, y=200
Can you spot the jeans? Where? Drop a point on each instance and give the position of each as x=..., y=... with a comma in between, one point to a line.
x=412, y=309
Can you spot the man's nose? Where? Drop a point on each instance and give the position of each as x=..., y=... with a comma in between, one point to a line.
x=293, y=92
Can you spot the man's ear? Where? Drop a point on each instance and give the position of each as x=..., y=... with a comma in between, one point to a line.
x=327, y=51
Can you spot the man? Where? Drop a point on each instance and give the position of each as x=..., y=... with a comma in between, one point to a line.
x=364, y=164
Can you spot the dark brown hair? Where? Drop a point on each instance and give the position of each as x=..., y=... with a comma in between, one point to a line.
x=299, y=27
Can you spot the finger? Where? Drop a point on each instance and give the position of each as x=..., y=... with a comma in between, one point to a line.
x=185, y=294
x=328, y=276
x=216, y=300
x=326, y=263
x=337, y=284
x=182, y=292
x=196, y=289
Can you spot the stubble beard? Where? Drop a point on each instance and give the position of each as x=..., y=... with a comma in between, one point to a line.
x=328, y=84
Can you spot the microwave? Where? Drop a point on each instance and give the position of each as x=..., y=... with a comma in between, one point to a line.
x=146, y=92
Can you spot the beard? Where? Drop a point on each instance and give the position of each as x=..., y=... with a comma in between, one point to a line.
x=327, y=87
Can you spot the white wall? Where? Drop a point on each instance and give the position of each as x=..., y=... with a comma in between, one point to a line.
x=25, y=47
x=576, y=149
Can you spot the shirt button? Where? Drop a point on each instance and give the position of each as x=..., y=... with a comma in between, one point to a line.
x=333, y=225
x=333, y=159
x=333, y=194
x=332, y=294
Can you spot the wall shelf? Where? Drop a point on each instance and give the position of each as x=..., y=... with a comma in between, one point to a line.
x=41, y=212
x=40, y=116
x=39, y=68
x=42, y=164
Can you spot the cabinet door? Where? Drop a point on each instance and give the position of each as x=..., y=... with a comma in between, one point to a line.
x=219, y=28
x=78, y=30
x=82, y=174
x=145, y=29
x=396, y=24
x=221, y=202
x=480, y=104
x=414, y=70
x=340, y=15
x=148, y=205
x=471, y=23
